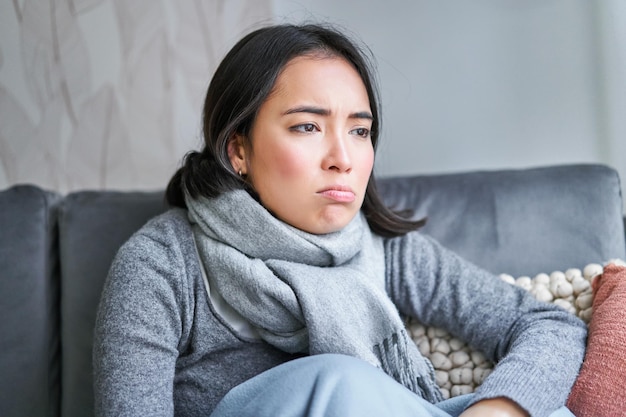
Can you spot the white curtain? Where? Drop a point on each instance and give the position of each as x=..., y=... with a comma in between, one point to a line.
x=612, y=82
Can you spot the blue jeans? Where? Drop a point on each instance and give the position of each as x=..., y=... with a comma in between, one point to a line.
x=333, y=386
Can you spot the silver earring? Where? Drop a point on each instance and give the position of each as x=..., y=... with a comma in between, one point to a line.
x=240, y=173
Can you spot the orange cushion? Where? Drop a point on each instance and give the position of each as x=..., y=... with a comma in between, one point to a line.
x=600, y=387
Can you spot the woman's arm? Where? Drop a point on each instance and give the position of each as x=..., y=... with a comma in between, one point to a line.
x=538, y=347
x=137, y=332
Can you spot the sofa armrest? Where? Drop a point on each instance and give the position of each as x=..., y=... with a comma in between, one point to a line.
x=29, y=302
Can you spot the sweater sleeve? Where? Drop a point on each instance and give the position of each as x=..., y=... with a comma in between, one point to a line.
x=138, y=328
x=538, y=347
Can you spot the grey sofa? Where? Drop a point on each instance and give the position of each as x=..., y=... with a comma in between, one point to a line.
x=55, y=252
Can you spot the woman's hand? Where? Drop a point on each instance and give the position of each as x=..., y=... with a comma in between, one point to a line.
x=495, y=407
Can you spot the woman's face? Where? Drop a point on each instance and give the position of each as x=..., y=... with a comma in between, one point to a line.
x=311, y=154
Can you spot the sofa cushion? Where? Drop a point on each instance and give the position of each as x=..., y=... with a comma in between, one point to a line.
x=520, y=222
x=92, y=226
x=29, y=363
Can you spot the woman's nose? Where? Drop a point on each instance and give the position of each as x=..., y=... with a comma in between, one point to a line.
x=338, y=156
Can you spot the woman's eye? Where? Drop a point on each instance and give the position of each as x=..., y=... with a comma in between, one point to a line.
x=361, y=131
x=305, y=128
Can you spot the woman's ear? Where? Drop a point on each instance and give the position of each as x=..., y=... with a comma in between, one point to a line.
x=237, y=154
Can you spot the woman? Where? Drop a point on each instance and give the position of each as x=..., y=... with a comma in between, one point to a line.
x=275, y=287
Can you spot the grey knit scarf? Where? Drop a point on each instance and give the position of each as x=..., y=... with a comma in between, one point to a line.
x=307, y=293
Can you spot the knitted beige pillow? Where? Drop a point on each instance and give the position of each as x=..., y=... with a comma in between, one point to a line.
x=459, y=369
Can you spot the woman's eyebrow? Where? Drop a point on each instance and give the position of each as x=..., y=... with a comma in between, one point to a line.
x=308, y=109
x=362, y=115
x=325, y=112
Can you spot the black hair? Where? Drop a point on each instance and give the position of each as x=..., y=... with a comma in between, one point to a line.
x=242, y=82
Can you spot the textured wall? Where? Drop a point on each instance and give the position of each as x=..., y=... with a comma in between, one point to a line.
x=108, y=93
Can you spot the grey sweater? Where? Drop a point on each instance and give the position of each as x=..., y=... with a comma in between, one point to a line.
x=162, y=349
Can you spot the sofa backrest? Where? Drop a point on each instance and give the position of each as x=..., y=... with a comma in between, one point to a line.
x=92, y=226
x=520, y=222
x=29, y=291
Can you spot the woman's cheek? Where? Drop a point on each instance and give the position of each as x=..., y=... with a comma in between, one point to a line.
x=366, y=163
x=292, y=163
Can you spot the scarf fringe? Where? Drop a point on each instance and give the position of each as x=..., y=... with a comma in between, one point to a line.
x=393, y=354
